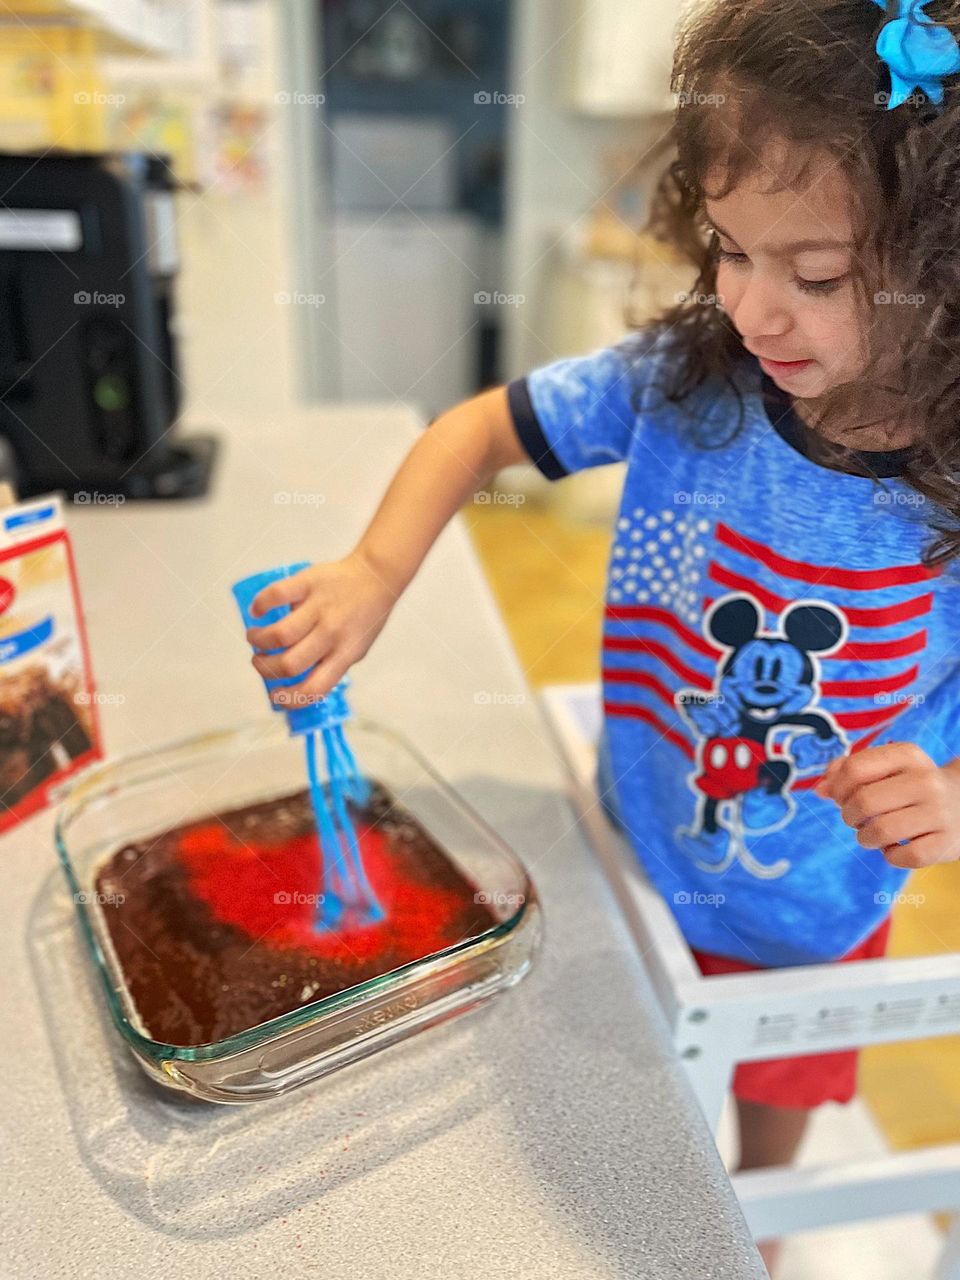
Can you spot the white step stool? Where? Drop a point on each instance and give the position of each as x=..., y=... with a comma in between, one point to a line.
x=722, y=1020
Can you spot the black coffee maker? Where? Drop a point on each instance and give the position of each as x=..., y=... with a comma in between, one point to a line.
x=89, y=374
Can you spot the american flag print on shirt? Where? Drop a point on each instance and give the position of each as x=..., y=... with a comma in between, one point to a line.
x=757, y=668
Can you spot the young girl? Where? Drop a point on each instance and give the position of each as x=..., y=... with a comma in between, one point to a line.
x=781, y=669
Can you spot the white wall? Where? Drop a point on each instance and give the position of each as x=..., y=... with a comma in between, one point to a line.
x=555, y=172
x=236, y=340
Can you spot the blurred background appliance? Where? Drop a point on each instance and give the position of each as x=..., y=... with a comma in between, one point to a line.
x=89, y=381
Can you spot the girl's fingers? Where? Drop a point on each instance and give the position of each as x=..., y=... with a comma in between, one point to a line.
x=297, y=659
x=288, y=631
x=283, y=591
x=320, y=681
x=876, y=798
x=885, y=830
x=921, y=851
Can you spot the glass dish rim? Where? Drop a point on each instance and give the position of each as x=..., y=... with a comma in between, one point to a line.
x=90, y=780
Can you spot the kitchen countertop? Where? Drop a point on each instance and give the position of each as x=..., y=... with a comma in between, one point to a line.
x=551, y=1133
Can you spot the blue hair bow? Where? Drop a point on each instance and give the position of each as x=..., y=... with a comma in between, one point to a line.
x=918, y=51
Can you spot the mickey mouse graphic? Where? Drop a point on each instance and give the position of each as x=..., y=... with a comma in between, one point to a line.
x=767, y=683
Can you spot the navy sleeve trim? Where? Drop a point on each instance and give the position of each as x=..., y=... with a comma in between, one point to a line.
x=530, y=433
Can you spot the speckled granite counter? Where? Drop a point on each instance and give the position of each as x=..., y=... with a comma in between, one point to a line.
x=551, y=1134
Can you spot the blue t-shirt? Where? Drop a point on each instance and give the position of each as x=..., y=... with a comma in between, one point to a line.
x=764, y=613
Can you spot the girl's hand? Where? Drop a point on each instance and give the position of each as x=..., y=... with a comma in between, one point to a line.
x=899, y=801
x=337, y=611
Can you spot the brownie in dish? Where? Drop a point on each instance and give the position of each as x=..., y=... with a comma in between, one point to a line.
x=213, y=923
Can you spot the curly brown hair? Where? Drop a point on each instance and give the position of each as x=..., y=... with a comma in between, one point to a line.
x=806, y=73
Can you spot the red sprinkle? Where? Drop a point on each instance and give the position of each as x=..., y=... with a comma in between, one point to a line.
x=265, y=890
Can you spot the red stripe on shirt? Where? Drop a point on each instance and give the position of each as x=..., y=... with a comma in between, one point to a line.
x=886, y=616
x=644, y=678
x=621, y=644
x=641, y=713
x=651, y=613
x=828, y=575
x=868, y=688
x=831, y=688
x=869, y=650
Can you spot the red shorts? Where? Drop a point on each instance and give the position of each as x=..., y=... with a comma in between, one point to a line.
x=806, y=1081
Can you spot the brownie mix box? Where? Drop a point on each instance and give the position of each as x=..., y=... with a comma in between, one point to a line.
x=48, y=718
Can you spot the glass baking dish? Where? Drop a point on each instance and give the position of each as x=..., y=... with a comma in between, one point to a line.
x=132, y=799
